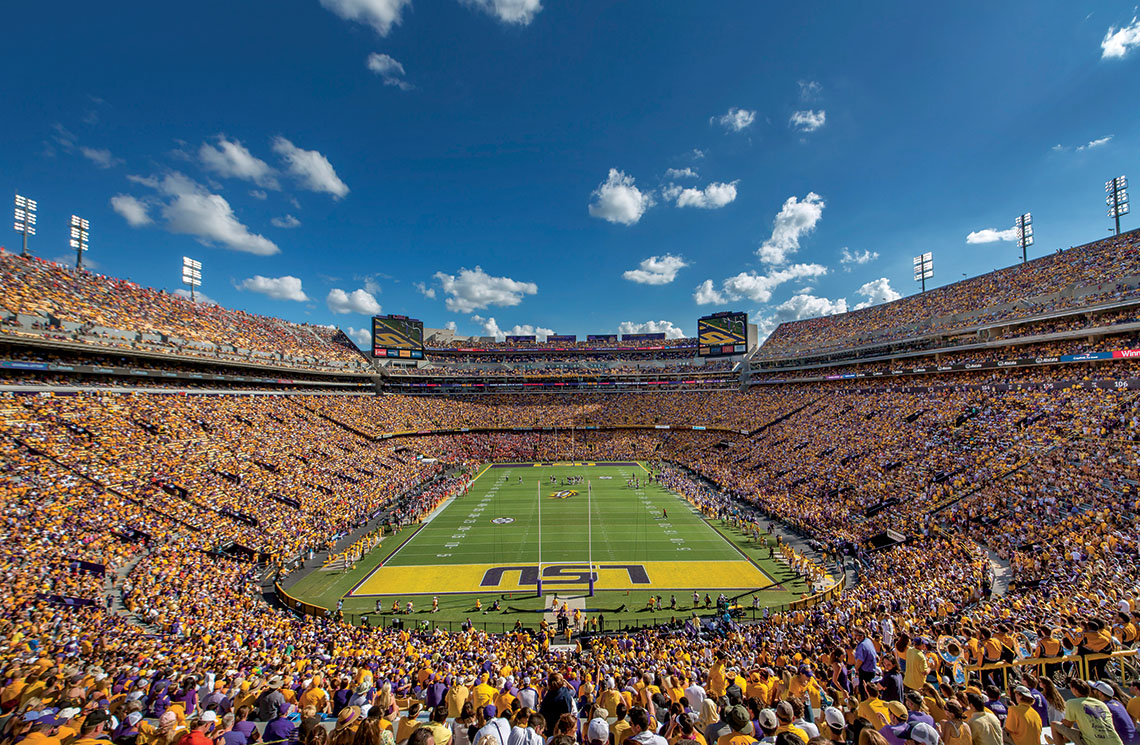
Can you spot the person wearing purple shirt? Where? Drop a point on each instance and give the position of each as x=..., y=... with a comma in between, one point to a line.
x=244, y=726
x=435, y=691
x=281, y=729
x=866, y=658
x=914, y=712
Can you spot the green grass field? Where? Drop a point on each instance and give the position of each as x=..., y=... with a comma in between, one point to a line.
x=485, y=545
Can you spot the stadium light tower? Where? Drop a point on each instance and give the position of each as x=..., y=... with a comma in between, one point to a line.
x=1116, y=197
x=79, y=238
x=191, y=274
x=1024, y=227
x=923, y=268
x=25, y=219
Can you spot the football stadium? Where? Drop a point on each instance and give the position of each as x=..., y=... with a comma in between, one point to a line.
x=326, y=417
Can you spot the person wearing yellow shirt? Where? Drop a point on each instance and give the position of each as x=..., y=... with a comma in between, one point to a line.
x=786, y=715
x=1022, y=723
x=455, y=698
x=737, y=718
x=483, y=694
x=873, y=708
x=440, y=732
x=315, y=696
x=717, y=684
x=408, y=724
x=619, y=730
x=609, y=698
x=1133, y=706
x=917, y=666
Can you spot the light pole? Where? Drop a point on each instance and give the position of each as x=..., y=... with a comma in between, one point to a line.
x=79, y=238
x=25, y=219
x=923, y=268
x=1116, y=197
x=1024, y=227
x=191, y=274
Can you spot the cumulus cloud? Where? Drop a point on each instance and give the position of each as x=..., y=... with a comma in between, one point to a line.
x=381, y=15
x=795, y=220
x=681, y=173
x=101, y=157
x=846, y=257
x=474, y=289
x=451, y=326
x=753, y=286
x=651, y=327
x=1118, y=42
x=797, y=308
x=192, y=210
x=714, y=196
x=1090, y=145
x=518, y=12
x=357, y=301
x=735, y=119
x=491, y=328
x=288, y=222
x=389, y=70
x=991, y=235
x=310, y=168
x=231, y=159
x=656, y=270
x=132, y=210
x=362, y=338
x=617, y=200
x=278, y=288
x=808, y=120
x=199, y=297
x=877, y=291
x=809, y=89
x=428, y=292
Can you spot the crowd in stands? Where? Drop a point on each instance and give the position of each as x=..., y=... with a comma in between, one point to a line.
x=76, y=305
x=1018, y=291
x=491, y=345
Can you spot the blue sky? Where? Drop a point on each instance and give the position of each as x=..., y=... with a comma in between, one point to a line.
x=565, y=166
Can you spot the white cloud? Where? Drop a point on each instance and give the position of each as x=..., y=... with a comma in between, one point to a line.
x=756, y=287
x=859, y=257
x=877, y=291
x=991, y=235
x=192, y=210
x=311, y=168
x=423, y=289
x=797, y=308
x=199, y=297
x=520, y=12
x=712, y=197
x=357, y=301
x=288, y=222
x=134, y=211
x=707, y=294
x=474, y=289
x=451, y=326
x=735, y=119
x=617, y=200
x=681, y=173
x=278, y=288
x=491, y=328
x=101, y=157
x=1119, y=41
x=1095, y=143
x=258, y=194
x=809, y=89
x=362, y=338
x=379, y=14
x=795, y=220
x=656, y=270
x=389, y=70
x=698, y=154
x=651, y=327
x=231, y=159
x=808, y=120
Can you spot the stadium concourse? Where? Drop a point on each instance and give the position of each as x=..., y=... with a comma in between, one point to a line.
x=143, y=511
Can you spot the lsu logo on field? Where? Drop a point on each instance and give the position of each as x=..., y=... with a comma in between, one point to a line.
x=564, y=574
x=564, y=494
x=502, y=520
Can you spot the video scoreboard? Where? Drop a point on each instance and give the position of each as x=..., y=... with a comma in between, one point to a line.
x=397, y=337
x=722, y=334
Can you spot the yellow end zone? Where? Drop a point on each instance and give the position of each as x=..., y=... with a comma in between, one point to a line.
x=648, y=575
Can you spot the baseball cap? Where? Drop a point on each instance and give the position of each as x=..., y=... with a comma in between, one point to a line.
x=897, y=708
x=490, y=711
x=209, y=716
x=834, y=718
x=598, y=731
x=768, y=719
x=805, y=671
x=923, y=733
x=1103, y=687
x=737, y=718
x=95, y=718
x=1023, y=691
x=785, y=711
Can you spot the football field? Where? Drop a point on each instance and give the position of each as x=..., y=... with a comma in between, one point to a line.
x=637, y=537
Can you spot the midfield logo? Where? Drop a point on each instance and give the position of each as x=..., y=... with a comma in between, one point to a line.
x=564, y=494
x=502, y=520
x=564, y=574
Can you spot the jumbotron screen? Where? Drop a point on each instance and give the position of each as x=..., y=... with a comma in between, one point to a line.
x=397, y=336
x=722, y=334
